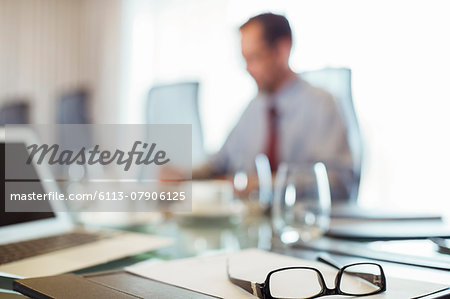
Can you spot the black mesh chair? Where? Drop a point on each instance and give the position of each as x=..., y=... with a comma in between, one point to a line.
x=15, y=113
x=338, y=82
x=177, y=104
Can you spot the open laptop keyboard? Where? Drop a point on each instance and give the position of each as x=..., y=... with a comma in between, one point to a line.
x=16, y=251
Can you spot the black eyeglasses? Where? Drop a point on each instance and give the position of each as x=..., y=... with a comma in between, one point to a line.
x=360, y=279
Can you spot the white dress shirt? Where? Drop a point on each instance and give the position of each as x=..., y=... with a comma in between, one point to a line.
x=310, y=129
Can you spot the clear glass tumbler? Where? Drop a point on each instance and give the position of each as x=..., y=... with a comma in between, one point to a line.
x=302, y=202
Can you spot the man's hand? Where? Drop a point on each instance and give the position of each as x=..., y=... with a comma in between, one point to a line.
x=171, y=173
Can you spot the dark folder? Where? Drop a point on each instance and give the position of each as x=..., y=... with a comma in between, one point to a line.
x=114, y=285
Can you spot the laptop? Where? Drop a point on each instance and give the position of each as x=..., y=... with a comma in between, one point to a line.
x=48, y=243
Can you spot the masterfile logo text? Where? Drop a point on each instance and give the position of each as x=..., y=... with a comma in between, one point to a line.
x=149, y=154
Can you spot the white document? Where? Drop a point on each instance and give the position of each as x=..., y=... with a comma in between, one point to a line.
x=208, y=274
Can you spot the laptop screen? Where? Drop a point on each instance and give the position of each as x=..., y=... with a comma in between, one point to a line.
x=18, y=217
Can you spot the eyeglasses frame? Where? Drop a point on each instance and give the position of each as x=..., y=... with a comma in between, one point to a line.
x=262, y=290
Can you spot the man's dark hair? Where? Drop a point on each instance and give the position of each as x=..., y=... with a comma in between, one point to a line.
x=275, y=27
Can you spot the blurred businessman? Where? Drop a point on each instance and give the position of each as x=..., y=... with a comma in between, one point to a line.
x=289, y=120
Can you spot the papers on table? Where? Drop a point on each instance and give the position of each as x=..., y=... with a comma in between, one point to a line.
x=207, y=274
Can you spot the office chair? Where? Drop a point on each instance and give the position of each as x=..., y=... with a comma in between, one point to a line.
x=15, y=113
x=177, y=104
x=73, y=107
x=337, y=81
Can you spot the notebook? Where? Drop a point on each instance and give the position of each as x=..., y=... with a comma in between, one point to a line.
x=390, y=230
x=114, y=284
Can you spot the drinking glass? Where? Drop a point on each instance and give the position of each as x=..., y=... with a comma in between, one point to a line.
x=302, y=202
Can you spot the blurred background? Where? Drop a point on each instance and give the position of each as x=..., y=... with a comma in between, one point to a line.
x=111, y=52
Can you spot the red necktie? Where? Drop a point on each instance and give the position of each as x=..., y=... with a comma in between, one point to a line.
x=272, y=137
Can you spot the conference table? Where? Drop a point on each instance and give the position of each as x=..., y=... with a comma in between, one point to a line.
x=205, y=236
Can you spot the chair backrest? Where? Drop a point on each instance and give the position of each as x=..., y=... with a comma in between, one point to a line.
x=177, y=104
x=73, y=107
x=338, y=82
x=15, y=113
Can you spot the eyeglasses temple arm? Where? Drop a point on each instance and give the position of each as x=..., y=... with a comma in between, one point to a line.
x=251, y=287
x=329, y=261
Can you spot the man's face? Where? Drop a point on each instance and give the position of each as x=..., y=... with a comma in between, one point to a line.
x=263, y=62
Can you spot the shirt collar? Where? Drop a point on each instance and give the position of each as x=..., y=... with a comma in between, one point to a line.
x=281, y=98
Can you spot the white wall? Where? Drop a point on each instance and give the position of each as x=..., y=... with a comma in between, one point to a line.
x=51, y=46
